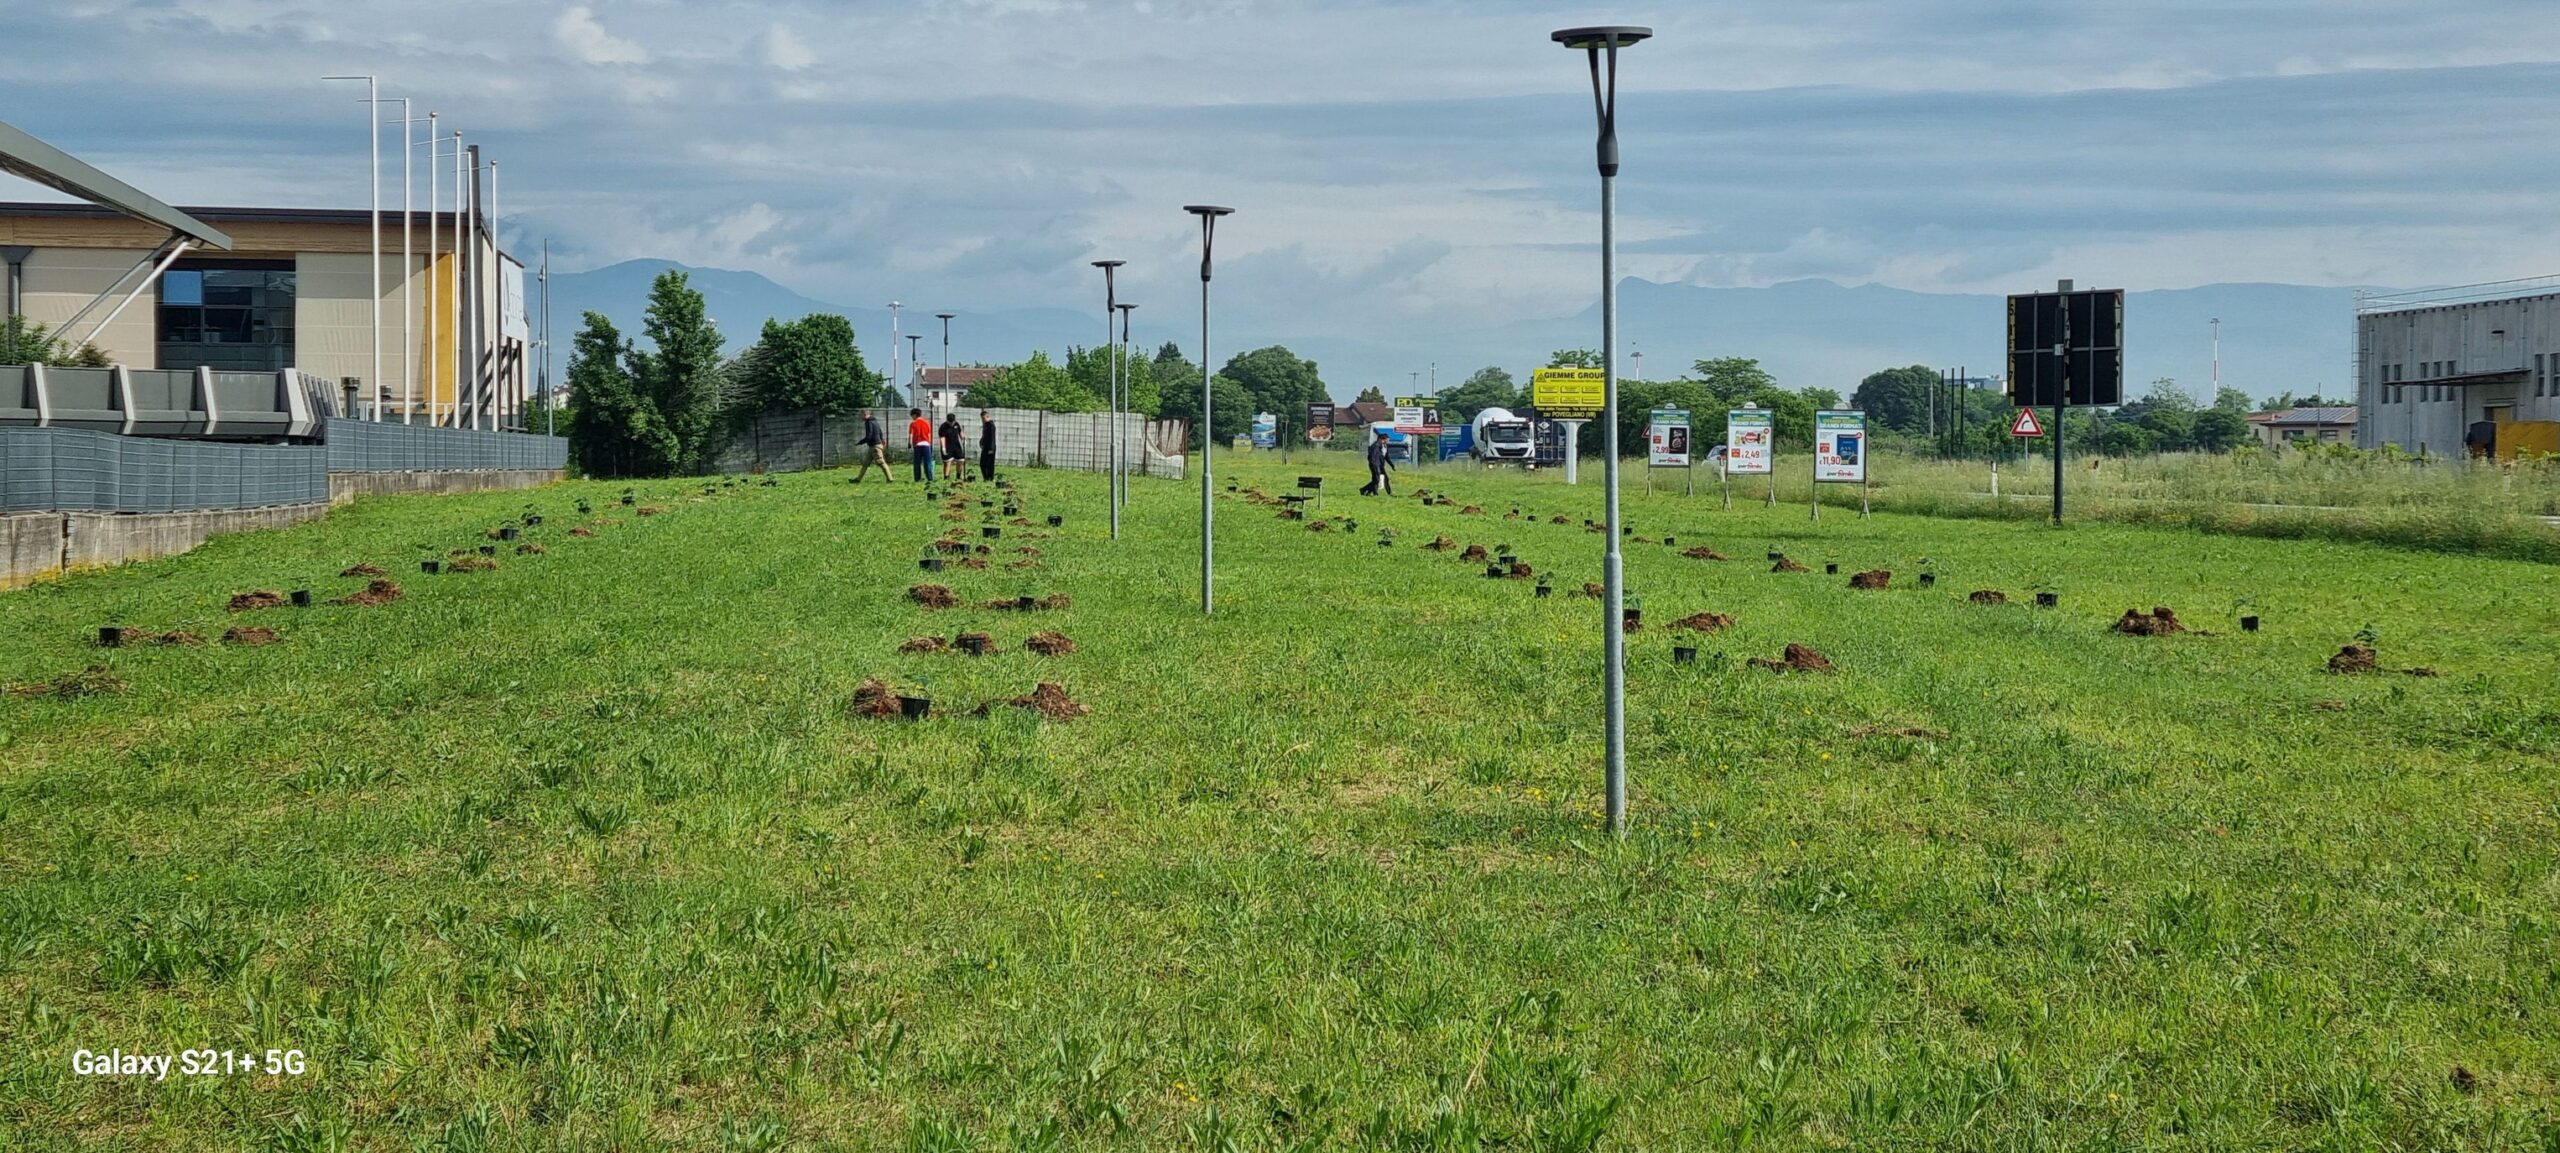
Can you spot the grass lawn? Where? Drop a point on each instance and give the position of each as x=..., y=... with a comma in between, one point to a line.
x=590, y=852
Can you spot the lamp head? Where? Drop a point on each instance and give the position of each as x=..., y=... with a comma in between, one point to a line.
x=1602, y=36
x=1206, y=210
x=1109, y=263
x=944, y=315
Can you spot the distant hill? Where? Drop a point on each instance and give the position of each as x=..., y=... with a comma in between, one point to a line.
x=2275, y=337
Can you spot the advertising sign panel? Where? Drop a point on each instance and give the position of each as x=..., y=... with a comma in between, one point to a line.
x=1266, y=430
x=1749, y=441
x=1670, y=438
x=1840, y=447
x=1568, y=393
x=1319, y=422
x=1418, y=415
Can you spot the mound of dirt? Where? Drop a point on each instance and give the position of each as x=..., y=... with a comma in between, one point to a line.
x=1702, y=552
x=1027, y=550
x=924, y=645
x=379, y=592
x=582, y=531
x=1520, y=571
x=1050, y=644
x=1441, y=544
x=2352, y=659
x=529, y=548
x=1514, y=514
x=1321, y=526
x=955, y=515
x=1057, y=601
x=876, y=699
x=1988, y=597
x=127, y=637
x=251, y=637
x=1024, y=566
x=1912, y=732
x=1559, y=520
x=932, y=596
x=948, y=545
x=1704, y=622
x=178, y=637
x=261, y=599
x=96, y=680
x=2159, y=622
x=985, y=644
x=1788, y=564
x=1598, y=528
x=1293, y=514
x=651, y=510
x=1020, y=522
x=363, y=570
x=976, y=562
x=2422, y=671
x=1472, y=510
x=1475, y=553
x=471, y=563
x=1798, y=659
x=1642, y=540
x=1050, y=700
x=1593, y=591
x=1872, y=579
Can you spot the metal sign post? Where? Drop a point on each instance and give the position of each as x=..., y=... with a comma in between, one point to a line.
x=2066, y=348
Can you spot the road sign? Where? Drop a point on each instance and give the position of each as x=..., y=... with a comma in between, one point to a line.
x=2026, y=424
x=2091, y=323
x=1840, y=447
x=1669, y=438
x=1418, y=414
x=1568, y=393
x=1749, y=441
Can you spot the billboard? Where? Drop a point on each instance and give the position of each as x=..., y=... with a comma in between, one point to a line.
x=1750, y=441
x=1458, y=442
x=1840, y=447
x=1568, y=393
x=1320, y=422
x=2091, y=323
x=1266, y=430
x=1419, y=415
x=1670, y=438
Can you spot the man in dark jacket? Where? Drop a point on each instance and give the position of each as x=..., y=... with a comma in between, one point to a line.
x=1379, y=465
x=875, y=449
x=955, y=449
x=986, y=445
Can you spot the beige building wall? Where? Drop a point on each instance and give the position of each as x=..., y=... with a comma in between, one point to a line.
x=333, y=323
x=62, y=281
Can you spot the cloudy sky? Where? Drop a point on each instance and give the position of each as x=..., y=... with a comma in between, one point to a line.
x=1398, y=165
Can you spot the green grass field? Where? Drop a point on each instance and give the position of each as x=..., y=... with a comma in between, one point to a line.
x=590, y=852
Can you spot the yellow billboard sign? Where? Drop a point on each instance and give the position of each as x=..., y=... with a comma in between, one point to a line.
x=1568, y=393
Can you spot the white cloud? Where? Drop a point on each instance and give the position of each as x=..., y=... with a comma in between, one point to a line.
x=784, y=49
x=578, y=31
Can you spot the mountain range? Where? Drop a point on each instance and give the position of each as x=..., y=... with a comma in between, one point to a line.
x=2276, y=338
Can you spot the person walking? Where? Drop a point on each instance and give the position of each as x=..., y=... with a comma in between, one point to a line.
x=955, y=450
x=986, y=445
x=1379, y=465
x=920, y=444
x=875, y=446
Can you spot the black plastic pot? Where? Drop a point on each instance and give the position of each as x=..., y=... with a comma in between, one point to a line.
x=986, y=504
x=1496, y=571
x=1671, y=542
x=431, y=567
x=2248, y=624
x=1013, y=510
x=110, y=637
x=915, y=708
x=508, y=533
x=1777, y=556
x=1384, y=543
x=488, y=550
x=930, y=564
x=302, y=598
x=1631, y=619
x=1684, y=655
x=584, y=508
x=532, y=519
x=1626, y=530
x=2048, y=600
x=1928, y=580
x=1351, y=526
x=628, y=499
x=1544, y=592
x=974, y=646
x=1055, y=521
x=1507, y=558
x=991, y=532
x=1831, y=570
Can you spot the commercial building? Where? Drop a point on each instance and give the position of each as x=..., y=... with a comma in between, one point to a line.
x=2473, y=369
x=290, y=294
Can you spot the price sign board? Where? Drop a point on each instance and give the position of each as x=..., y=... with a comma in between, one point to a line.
x=1669, y=438
x=1568, y=393
x=1840, y=447
x=1749, y=441
x=1418, y=415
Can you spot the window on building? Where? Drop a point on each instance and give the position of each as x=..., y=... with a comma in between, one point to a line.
x=230, y=316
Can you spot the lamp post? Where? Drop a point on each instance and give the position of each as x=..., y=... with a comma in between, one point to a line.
x=915, y=357
x=1596, y=43
x=1111, y=401
x=1120, y=476
x=373, y=114
x=945, y=318
x=1208, y=214
x=894, y=306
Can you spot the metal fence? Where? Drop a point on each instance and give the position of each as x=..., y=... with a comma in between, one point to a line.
x=370, y=446
x=77, y=470
x=797, y=441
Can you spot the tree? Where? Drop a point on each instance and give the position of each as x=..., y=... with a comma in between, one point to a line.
x=1037, y=383
x=1370, y=395
x=23, y=341
x=2230, y=399
x=613, y=429
x=1820, y=398
x=1731, y=378
x=1092, y=368
x=808, y=363
x=1488, y=388
x=1574, y=358
x=1278, y=380
x=1897, y=398
x=1234, y=408
x=681, y=378
x=2219, y=429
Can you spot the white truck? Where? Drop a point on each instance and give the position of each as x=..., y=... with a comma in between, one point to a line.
x=1503, y=437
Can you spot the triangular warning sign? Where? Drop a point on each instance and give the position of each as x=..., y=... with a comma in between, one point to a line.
x=2026, y=424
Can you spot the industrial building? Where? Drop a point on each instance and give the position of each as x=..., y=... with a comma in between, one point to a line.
x=2472, y=370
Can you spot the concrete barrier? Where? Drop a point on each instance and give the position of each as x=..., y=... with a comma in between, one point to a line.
x=346, y=486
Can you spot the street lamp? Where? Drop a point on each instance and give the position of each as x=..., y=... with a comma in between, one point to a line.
x=1594, y=43
x=915, y=358
x=373, y=114
x=894, y=306
x=1111, y=399
x=945, y=318
x=1120, y=477
x=1208, y=214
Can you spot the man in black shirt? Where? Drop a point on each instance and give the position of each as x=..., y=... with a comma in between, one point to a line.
x=875, y=449
x=1379, y=464
x=986, y=445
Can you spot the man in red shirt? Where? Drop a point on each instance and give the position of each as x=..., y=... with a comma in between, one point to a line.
x=920, y=441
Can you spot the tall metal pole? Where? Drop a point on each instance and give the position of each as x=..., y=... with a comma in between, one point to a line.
x=2217, y=358
x=1208, y=214
x=1128, y=370
x=894, y=306
x=500, y=387
x=408, y=288
x=373, y=114
x=1604, y=98
x=550, y=421
x=2061, y=396
x=461, y=269
x=945, y=318
x=915, y=358
x=1111, y=462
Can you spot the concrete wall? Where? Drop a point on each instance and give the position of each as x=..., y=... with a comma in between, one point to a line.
x=41, y=546
x=346, y=486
